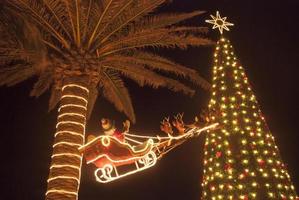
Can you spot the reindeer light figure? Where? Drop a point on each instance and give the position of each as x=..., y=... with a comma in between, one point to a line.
x=166, y=126
x=179, y=124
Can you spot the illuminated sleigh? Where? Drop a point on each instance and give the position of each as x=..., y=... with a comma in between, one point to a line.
x=108, y=153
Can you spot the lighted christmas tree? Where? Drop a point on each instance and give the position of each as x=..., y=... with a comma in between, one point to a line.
x=241, y=159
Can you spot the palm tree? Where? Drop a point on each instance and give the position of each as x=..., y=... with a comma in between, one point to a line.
x=81, y=48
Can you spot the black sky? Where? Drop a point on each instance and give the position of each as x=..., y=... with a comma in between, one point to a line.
x=266, y=41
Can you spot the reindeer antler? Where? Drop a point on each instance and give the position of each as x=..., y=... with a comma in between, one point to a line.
x=166, y=126
x=179, y=123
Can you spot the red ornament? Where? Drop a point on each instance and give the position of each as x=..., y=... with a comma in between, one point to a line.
x=261, y=162
x=218, y=154
x=227, y=167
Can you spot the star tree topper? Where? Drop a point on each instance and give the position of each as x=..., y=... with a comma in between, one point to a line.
x=219, y=22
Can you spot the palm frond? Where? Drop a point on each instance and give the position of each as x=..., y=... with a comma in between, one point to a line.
x=12, y=75
x=70, y=10
x=57, y=9
x=41, y=17
x=93, y=95
x=55, y=97
x=163, y=20
x=155, y=62
x=43, y=83
x=115, y=91
x=87, y=7
x=98, y=37
x=78, y=30
x=168, y=38
x=10, y=54
x=143, y=76
x=130, y=14
x=111, y=10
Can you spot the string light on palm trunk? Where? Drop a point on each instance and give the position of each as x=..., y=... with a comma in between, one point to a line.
x=63, y=177
x=71, y=105
x=70, y=122
x=68, y=132
x=74, y=96
x=71, y=114
x=76, y=86
x=67, y=143
x=65, y=166
x=66, y=159
x=61, y=192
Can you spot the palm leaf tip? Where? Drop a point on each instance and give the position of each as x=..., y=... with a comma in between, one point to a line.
x=199, y=81
x=116, y=92
x=164, y=20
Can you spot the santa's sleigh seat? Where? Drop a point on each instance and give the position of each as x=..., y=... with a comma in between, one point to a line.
x=107, y=153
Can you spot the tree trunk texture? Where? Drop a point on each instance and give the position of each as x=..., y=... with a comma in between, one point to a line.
x=65, y=168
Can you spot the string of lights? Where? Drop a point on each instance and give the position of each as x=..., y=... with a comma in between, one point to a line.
x=241, y=160
x=66, y=159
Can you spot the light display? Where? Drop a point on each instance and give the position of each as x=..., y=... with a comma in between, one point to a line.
x=219, y=22
x=107, y=153
x=241, y=160
x=70, y=133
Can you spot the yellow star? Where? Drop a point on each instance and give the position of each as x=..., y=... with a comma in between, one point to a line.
x=219, y=22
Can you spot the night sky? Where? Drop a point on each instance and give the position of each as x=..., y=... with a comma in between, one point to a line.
x=265, y=38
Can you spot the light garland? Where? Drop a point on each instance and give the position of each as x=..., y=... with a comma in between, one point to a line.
x=71, y=105
x=74, y=96
x=78, y=119
x=71, y=114
x=75, y=85
x=67, y=143
x=254, y=158
x=66, y=154
x=70, y=122
x=63, y=177
x=61, y=192
x=65, y=166
x=69, y=132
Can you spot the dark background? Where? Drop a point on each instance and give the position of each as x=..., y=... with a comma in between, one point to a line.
x=265, y=37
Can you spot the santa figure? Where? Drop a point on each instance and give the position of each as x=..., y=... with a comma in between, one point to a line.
x=110, y=130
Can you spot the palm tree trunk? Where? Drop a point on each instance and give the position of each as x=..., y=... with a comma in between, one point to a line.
x=65, y=169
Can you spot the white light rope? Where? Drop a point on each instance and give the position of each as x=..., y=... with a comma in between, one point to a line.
x=69, y=132
x=75, y=85
x=70, y=122
x=64, y=166
x=66, y=154
x=66, y=143
x=61, y=192
x=63, y=177
x=71, y=114
x=72, y=105
x=74, y=96
x=57, y=165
